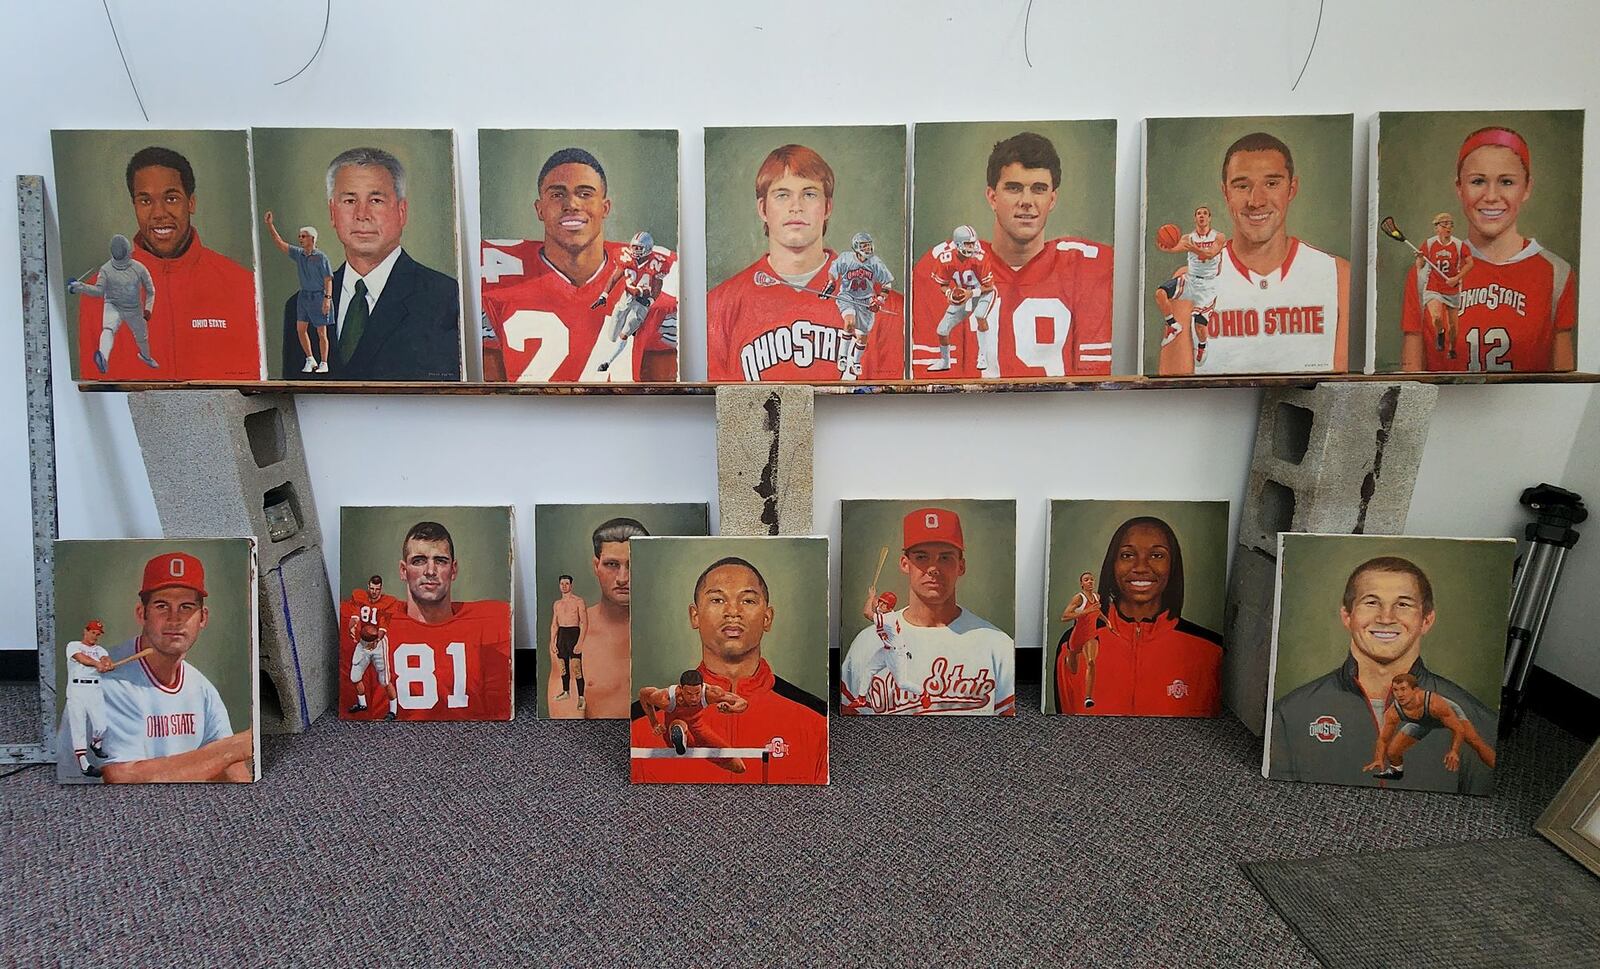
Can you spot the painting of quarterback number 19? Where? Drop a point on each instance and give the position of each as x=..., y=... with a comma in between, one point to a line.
x=425, y=626
x=579, y=262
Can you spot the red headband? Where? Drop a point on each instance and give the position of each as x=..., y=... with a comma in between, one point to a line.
x=1501, y=137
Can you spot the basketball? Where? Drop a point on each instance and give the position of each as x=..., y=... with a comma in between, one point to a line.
x=1168, y=235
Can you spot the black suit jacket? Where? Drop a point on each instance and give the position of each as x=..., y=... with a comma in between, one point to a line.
x=413, y=333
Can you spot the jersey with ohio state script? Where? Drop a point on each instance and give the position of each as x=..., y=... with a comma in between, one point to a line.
x=1051, y=317
x=1510, y=313
x=146, y=717
x=546, y=327
x=1448, y=256
x=779, y=332
x=967, y=667
x=459, y=669
x=1285, y=321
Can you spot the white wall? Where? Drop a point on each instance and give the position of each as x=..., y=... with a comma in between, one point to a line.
x=692, y=65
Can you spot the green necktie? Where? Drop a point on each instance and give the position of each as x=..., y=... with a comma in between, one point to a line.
x=355, y=320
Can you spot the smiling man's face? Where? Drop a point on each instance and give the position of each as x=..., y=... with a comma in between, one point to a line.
x=162, y=208
x=572, y=205
x=1386, y=618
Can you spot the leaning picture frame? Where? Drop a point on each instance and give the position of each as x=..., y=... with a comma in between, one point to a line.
x=1572, y=821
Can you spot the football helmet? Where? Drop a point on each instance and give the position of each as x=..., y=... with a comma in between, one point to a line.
x=862, y=244
x=642, y=244
x=966, y=239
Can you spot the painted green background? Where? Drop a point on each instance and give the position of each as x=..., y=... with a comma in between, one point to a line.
x=1471, y=581
x=563, y=545
x=101, y=579
x=291, y=182
x=988, y=526
x=91, y=195
x=1183, y=171
x=1080, y=532
x=869, y=170
x=1416, y=180
x=370, y=539
x=641, y=180
x=664, y=572
x=950, y=173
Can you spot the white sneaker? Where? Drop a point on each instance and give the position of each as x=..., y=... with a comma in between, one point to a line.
x=562, y=695
x=311, y=365
x=582, y=703
x=983, y=362
x=322, y=367
x=939, y=367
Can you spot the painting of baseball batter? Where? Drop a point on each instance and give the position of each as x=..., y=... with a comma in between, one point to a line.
x=583, y=579
x=730, y=661
x=425, y=628
x=1474, y=261
x=579, y=257
x=805, y=253
x=1386, y=662
x=1245, y=261
x=1134, y=594
x=927, y=613
x=147, y=297
x=1011, y=232
x=156, y=661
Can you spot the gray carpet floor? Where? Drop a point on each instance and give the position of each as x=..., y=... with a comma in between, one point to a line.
x=967, y=842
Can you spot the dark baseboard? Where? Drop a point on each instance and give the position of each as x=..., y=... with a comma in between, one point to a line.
x=19, y=664
x=1565, y=705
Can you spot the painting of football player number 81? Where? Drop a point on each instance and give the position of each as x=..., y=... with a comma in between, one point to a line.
x=579, y=276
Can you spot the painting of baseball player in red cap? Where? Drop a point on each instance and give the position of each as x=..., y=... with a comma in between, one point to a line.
x=169, y=707
x=938, y=654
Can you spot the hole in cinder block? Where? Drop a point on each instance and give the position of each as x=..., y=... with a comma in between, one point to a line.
x=1291, y=432
x=264, y=431
x=282, y=508
x=271, y=706
x=1277, y=508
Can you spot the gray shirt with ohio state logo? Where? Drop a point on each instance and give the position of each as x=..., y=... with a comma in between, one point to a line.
x=1326, y=732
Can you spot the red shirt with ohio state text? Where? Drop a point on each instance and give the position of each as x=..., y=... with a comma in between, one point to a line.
x=790, y=722
x=1510, y=313
x=777, y=332
x=1051, y=316
x=1448, y=256
x=459, y=669
x=545, y=325
x=1165, y=667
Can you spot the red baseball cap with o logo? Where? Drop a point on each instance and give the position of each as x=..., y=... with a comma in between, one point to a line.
x=933, y=525
x=173, y=569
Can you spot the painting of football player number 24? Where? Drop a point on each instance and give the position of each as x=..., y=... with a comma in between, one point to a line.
x=579, y=265
x=425, y=623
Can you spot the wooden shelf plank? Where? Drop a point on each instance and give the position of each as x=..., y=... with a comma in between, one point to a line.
x=1056, y=384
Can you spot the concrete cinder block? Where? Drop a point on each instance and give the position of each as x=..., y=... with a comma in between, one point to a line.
x=299, y=674
x=223, y=464
x=1335, y=458
x=764, y=459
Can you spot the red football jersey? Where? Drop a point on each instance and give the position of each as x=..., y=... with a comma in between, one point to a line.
x=1510, y=313
x=203, y=325
x=361, y=608
x=1448, y=256
x=544, y=326
x=1050, y=318
x=776, y=332
x=951, y=268
x=638, y=278
x=459, y=669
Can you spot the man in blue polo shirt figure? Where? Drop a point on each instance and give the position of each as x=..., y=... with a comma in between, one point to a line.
x=314, y=304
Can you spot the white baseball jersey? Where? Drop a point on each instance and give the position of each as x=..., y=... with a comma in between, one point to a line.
x=967, y=667
x=146, y=718
x=1285, y=321
x=85, y=704
x=1200, y=282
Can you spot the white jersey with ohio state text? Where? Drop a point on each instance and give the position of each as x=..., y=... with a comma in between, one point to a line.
x=967, y=667
x=1285, y=321
x=147, y=718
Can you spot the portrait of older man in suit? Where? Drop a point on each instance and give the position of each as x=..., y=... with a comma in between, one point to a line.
x=392, y=318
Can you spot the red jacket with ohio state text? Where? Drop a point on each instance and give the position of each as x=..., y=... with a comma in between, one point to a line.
x=1161, y=667
x=203, y=325
x=793, y=722
x=776, y=332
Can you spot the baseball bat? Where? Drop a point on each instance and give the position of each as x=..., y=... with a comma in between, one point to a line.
x=141, y=654
x=883, y=555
